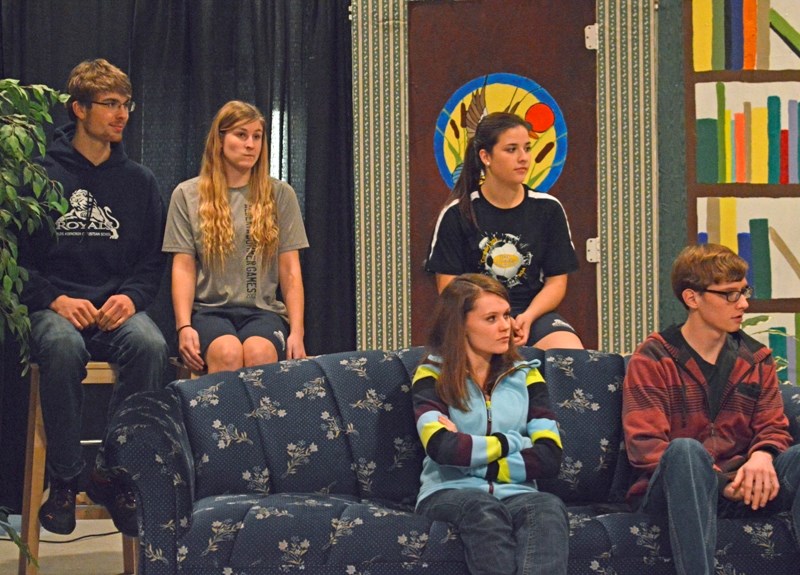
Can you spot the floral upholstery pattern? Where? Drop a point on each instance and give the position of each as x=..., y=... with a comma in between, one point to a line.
x=313, y=465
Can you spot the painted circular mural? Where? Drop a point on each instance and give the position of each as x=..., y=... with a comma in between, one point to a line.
x=502, y=93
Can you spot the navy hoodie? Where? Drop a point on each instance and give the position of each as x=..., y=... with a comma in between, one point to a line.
x=108, y=242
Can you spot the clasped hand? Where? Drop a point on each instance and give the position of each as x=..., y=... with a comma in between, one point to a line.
x=755, y=483
x=82, y=314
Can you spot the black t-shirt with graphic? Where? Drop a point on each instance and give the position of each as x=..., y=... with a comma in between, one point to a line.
x=519, y=246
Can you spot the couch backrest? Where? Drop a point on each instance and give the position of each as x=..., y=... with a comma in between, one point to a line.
x=343, y=423
x=586, y=395
x=287, y=428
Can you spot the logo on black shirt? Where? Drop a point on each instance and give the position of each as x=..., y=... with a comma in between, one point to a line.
x=505, y=258
x=87, y=217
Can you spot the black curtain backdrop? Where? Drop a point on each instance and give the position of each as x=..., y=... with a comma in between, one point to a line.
x=185, y=58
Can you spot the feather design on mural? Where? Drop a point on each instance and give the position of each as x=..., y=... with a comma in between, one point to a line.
x=475, y=111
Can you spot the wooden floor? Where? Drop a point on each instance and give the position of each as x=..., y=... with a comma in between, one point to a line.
x=89, y=556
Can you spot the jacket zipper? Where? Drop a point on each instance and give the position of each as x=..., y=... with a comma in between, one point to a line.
x=725, y=399
x=487, y=403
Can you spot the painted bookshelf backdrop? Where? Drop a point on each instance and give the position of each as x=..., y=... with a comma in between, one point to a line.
x=764, y=232
x=747, y=132
x=743, y=153
x=745, y=35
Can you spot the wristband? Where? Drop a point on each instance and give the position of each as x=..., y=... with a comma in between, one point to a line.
x=178, y=331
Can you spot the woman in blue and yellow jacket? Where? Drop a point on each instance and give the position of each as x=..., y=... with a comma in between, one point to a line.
x=484, y=419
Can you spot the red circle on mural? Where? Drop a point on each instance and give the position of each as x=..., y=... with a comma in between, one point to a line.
x=540, y=117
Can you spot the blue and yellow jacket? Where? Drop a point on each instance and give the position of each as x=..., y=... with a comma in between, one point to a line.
x=503, y=444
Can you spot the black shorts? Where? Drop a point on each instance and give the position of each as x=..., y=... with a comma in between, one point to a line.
x=550, y=322
x=241, y=322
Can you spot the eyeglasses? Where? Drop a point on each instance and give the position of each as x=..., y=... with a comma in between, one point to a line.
x=115, y=105
x=733, y=296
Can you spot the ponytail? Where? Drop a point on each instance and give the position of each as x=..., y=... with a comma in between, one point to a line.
x=487, y=132
x=468, y=181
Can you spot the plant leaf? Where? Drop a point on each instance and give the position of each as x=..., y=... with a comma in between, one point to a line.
x=754, y=320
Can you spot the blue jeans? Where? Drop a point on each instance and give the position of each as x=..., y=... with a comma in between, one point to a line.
x=62, y=351
x=526, y=534
x=684, y=488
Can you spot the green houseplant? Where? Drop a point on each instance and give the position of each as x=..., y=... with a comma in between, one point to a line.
x=24, y=113
x=14, y=536
x=749, y=325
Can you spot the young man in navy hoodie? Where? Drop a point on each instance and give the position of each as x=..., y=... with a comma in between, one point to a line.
x=703, y=416
x=91, y=282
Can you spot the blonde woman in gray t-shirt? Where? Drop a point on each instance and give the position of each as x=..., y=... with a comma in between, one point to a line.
x=236, y=233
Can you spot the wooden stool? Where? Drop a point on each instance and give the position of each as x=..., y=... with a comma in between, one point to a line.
x=181, y=371
x=97, y=373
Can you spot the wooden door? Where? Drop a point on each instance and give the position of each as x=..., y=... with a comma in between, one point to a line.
x=450, y=45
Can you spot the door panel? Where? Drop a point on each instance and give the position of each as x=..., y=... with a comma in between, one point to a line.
x=450, y=44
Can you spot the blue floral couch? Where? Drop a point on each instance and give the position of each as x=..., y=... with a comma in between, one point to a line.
x=313, y=466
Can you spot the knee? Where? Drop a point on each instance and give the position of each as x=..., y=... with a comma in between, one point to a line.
x=65, y=345
x=686, y=445
x=55, y=340
x=793, y=452
x=545, y=506
x=788, y=466
x=145, y=336
x=485, y=508
x=154, y=349
x=224, y=354
x=551, y=504
x=686, y=455
x=258, y=351
x=559, y=340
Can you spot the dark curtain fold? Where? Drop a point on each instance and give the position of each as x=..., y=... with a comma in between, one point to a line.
x=185, y=58
x=329, y=176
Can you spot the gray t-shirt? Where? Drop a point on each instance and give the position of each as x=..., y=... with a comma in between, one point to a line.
x=243, y=281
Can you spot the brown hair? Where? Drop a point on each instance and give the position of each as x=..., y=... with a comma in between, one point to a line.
x=216, y=222
x=91, y=77
x=448, y=336
x=699, y=266
x=487, y=132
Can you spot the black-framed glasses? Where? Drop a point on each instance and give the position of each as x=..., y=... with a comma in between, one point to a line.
x=115, y=105
x=733, y=296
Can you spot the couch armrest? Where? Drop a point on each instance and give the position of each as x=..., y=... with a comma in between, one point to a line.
x=146, y=445
x=791, y=407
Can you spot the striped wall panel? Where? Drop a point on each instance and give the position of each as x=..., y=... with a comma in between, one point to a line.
x=627, y=169
x=382, y=218
x=627, y=173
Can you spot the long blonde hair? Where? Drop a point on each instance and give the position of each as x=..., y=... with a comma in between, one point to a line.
x=216, y=222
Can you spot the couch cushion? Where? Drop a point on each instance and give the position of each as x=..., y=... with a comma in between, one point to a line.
x=586, y=394
x=297, y=532
x=636, y=543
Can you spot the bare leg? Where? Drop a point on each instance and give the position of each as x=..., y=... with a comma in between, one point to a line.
x=258, y=351
x=224, y=354
x=559, y=340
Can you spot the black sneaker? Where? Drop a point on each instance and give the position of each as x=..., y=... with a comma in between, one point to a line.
x=117, y=499
x=57, y=514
